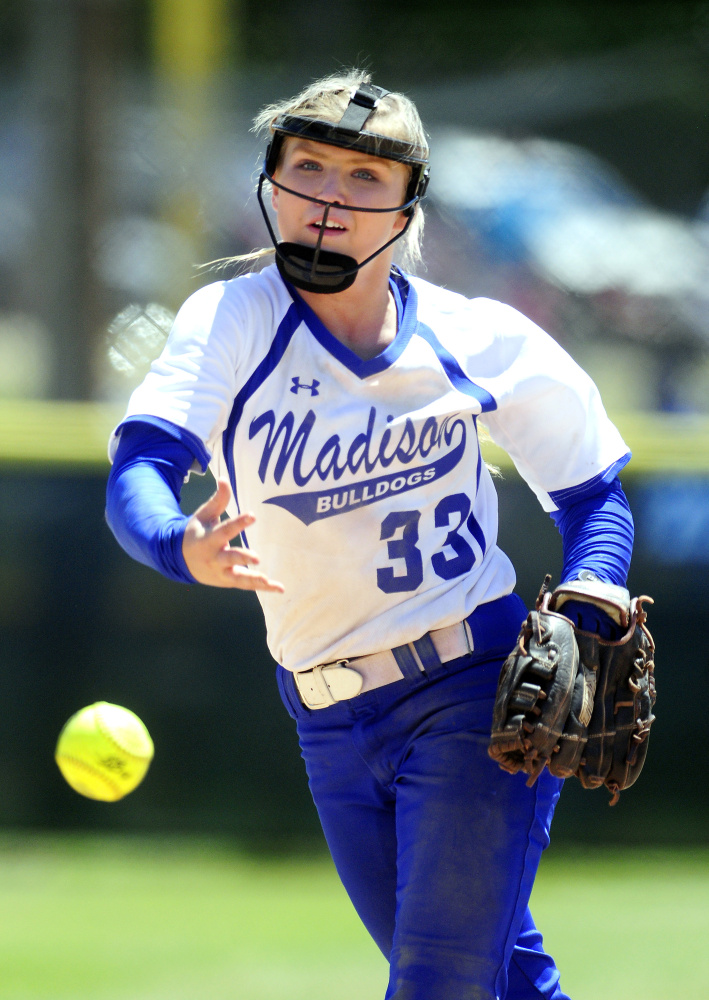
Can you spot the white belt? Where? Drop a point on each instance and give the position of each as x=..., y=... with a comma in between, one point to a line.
x=329, y=683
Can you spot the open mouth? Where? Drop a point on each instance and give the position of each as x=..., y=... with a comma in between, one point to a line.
x=330, y=227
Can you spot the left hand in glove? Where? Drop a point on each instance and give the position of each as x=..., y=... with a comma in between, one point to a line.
x=576, y=694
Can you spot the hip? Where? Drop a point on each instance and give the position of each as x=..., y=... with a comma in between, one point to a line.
x=490, y=633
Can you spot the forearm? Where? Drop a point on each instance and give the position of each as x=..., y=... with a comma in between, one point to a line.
x=142, y=499
x=146, y=519
x=597, y=534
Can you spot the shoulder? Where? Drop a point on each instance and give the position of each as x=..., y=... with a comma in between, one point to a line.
x=435, y=301
x=257, y=296
x=433, y=298
x=478, y=327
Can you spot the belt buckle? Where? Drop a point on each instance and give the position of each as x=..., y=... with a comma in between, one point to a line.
x=342, y=681
x=328, y=683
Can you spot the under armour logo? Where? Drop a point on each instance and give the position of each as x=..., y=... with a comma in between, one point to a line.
x=297, y=384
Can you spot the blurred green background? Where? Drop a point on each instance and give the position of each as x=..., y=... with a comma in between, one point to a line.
x=571, y=179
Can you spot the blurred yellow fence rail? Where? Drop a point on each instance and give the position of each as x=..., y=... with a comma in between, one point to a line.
x=45, y=434
x=41, y=434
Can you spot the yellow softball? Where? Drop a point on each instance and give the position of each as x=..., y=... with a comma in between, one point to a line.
x=104, y=751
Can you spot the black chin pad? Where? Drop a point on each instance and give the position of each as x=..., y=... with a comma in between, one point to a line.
x=334, y=272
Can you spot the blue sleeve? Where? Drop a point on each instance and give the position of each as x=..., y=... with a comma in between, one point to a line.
x=597, y=534
x=143, y=494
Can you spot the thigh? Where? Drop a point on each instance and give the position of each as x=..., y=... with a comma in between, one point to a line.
x=357, y=814
x=469, y=841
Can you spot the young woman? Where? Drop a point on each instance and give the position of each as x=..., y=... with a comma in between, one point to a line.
x=336, y=400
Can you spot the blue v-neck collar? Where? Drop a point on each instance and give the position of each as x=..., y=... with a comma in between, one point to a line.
x=405, y=298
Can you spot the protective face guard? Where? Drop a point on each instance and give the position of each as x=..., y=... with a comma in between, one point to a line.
x=313, y=269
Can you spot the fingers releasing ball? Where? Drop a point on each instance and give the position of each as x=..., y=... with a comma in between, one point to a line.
x=104, y=751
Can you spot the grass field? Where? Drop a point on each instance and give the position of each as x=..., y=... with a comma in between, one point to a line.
x=127, y=918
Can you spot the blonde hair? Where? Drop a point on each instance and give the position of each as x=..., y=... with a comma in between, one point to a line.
x=326, y=99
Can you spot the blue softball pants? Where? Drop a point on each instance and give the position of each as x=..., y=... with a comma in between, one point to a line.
x=436, y=846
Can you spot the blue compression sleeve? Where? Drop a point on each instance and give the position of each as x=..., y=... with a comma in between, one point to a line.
x=597, y=534
x=142, y=497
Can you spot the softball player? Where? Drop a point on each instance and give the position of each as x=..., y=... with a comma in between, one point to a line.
x=336, y=400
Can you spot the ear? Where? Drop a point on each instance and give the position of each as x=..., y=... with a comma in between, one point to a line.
x=274, y=197
x=401, y=218
x=399, y=222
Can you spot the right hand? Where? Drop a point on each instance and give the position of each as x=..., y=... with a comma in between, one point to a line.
x=209, y=556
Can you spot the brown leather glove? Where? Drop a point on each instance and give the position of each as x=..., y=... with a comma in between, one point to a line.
x=573, y=701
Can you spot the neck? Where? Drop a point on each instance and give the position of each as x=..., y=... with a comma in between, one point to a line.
x=363, y=317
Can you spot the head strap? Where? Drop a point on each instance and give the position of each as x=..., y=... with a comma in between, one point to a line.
x=363, y=101
x=349, y=132
x=333, y=135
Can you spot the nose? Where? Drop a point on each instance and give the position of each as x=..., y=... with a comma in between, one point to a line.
x=332, y=187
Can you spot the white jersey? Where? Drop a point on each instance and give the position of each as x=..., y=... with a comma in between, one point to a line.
x=373, y=505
